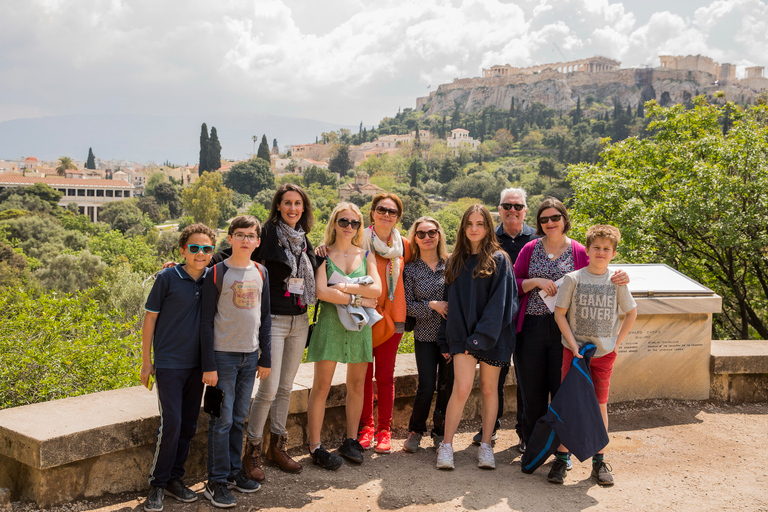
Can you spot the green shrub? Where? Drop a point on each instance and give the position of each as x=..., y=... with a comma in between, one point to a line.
x=55, y=346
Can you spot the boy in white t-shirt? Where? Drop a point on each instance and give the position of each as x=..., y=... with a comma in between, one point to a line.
x=587, y=311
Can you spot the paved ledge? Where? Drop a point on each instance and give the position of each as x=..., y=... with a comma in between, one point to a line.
x=739, y=370
x=739, y=356
x=87, y=446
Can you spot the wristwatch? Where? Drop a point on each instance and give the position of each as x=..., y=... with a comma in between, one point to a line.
x=358, y=301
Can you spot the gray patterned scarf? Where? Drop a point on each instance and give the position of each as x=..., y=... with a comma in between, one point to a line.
x=294, y=243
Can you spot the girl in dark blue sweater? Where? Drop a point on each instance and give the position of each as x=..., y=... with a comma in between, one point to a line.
x=482, y=298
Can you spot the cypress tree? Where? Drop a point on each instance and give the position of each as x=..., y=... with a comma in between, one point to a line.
x=577, y=114
x=203, y=164
x=91, y=162
x=214, y=151
x=263, y=151
x=640, y=109
x=275, y=148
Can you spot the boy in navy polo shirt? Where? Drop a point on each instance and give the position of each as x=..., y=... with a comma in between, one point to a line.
x=172, y=328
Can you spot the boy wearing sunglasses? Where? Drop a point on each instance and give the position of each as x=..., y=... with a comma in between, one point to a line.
x=171, y=331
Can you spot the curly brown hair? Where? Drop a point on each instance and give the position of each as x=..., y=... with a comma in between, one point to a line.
x=196, y=228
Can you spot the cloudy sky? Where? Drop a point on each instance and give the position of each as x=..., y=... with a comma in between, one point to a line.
x=341, y=61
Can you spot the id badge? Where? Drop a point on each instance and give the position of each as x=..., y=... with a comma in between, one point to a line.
x=296, y=285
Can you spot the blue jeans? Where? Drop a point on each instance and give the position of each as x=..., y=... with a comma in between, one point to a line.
x=237, y=374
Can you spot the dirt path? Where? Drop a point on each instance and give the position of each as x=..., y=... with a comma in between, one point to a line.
x=681, y=456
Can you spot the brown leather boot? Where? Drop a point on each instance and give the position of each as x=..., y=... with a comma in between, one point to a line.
x=277, y=454
x=252, y=462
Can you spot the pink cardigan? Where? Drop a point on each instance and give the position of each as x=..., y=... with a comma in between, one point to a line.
x=580, y=260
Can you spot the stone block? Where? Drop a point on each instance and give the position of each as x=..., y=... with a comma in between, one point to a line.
x=664, y=356
x=748, y=388
x=739, y=356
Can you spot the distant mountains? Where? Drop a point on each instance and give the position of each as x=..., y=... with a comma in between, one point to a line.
x=144, y=139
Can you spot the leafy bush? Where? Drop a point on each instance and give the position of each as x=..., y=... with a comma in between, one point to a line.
x=69, y=273
x=55, y=346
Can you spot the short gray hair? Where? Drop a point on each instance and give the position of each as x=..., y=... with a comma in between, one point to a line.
x=518, y=191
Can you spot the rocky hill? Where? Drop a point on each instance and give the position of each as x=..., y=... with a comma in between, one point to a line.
x=561, y=91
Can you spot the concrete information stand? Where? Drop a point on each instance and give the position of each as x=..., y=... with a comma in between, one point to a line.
x=667, y=352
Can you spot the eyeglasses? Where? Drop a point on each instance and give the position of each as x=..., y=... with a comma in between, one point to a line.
x=509, y=206
x=345, y=223
x=553, y=218
x=196, y=248
x=382, y=210
x=432, y=233
x=242, y=236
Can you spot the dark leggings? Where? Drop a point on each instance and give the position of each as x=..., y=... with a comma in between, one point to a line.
x=434, y=374
x=538, y=359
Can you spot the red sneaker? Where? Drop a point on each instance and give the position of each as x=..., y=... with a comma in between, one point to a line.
x=365, y=437
x=384, y=441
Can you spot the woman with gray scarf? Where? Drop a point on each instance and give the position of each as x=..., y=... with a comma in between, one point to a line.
x=291, y=262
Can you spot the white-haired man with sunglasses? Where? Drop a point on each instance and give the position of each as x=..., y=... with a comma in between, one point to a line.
x=512, y=234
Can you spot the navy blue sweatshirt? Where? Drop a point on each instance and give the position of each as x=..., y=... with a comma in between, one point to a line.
x=481, y=312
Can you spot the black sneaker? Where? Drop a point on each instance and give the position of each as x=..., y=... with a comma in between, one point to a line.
x=351, y=450
x=601, y=471
x=557, y=473
x=241, y=482
x=154, y=502
x=479, y=437
x=219, y=494
x=177, y=489
x=324, y=458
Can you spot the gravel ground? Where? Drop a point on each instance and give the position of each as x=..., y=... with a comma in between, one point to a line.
x=666, y=455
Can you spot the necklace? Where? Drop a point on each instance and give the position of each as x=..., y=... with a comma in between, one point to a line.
x=551, y=255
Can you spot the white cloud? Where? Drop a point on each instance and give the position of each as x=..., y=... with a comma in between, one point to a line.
x=342, y=60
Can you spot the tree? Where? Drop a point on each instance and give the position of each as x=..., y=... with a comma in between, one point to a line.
x=416, y=170
x=341, y=163
x=169, y=195
x=547, y=168
x=275, y=147
x=214, y=151
x=204, y=145
x=39, y=190
x=90, y=163
x=321, y=176
x=69, y=273
x=208, y=199
x=263, y=152
x=125, y=217
x=65, y=164
x=694, y=198
x=250, y=177
x=151, y=208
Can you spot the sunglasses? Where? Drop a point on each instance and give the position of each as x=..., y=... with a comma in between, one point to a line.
x=345, y=223
x=509, y=206
x=382, y=210
x=553, y=218
x=196, y=248
x=432, y=233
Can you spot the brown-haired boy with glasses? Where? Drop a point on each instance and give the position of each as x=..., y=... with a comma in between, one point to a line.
x=236, y=349
x=172, y=328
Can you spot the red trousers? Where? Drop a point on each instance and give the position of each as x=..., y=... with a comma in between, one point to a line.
x=383, y=367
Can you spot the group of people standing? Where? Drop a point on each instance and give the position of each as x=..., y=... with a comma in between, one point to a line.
x=479, y=305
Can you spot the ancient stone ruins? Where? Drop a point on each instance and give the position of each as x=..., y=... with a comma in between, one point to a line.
x=559, y=85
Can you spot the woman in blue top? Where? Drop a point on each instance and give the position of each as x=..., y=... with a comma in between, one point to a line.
x=482, y=295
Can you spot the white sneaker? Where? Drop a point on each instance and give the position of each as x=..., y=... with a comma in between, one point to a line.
x=485, y=457
x=445, y=456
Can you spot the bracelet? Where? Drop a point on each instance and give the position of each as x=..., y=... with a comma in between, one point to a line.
x=358, y=301
x=351, y=300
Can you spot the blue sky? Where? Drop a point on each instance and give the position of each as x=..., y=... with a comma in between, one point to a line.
x=343, y=61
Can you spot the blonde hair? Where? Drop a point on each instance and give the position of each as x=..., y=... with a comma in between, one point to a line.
x=330, y=229
x=442, y=252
